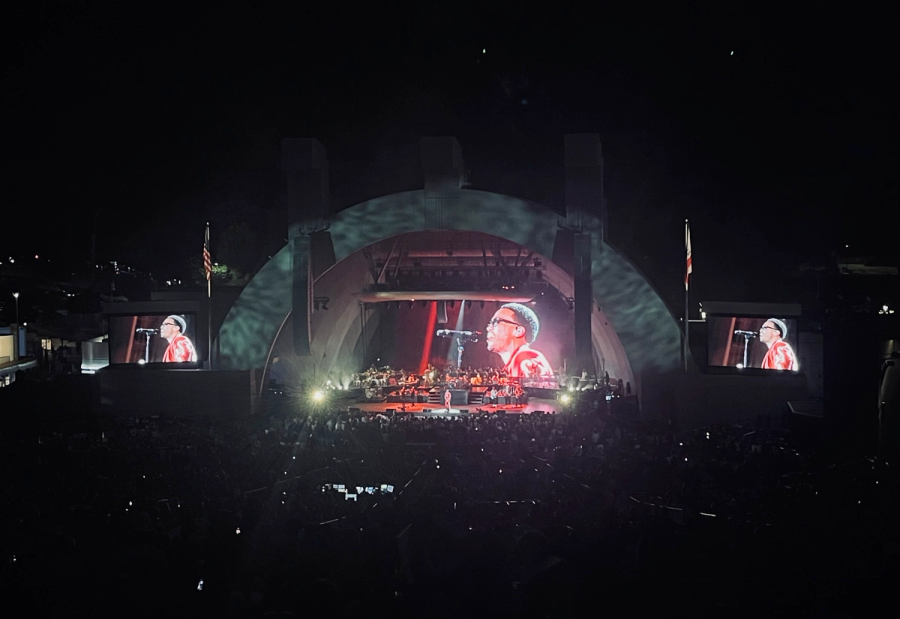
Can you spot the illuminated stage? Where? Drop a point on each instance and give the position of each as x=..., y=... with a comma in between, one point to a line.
x=424, y=409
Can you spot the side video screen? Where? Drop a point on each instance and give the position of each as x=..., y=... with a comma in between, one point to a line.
x=153, y=338
x=753, y=342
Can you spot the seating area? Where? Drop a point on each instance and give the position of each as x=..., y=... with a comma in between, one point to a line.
x=533, y=514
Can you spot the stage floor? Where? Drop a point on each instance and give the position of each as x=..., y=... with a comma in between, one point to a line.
x=432, y=410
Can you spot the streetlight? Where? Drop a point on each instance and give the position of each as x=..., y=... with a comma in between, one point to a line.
x=16, y=296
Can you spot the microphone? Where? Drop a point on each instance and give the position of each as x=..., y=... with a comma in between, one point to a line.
x=146, y=330
x=747, y=333
x=451, y=333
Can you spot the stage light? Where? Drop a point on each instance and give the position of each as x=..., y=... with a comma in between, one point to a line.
x=318, y=395
x=565, y=398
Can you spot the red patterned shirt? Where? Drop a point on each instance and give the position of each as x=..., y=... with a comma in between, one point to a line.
x=528, y=363
x=780, y=357
x=180, y=349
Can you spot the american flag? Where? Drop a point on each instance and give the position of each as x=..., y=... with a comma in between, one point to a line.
x=687, y=244
x=207, y=261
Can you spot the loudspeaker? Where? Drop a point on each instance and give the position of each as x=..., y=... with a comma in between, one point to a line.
x=301, y=295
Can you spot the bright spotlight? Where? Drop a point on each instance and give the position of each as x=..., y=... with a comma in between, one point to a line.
x=565, y=398
x=318, y=395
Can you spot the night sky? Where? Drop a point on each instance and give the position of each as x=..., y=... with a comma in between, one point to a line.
x=775, y=132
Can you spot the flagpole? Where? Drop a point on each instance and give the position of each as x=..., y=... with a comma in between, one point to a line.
x=687, y=332
x=687, y=275
x=207, y=268
x=209, y=323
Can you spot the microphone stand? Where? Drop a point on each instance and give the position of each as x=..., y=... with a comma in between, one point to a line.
x=746, y=343
x=146, y=347
x=460, y=346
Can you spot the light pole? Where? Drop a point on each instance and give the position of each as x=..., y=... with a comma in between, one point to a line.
x=16, y=338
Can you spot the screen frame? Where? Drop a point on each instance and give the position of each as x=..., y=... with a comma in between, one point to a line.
x=714, y=344
x=197, y=336
x=755, y=311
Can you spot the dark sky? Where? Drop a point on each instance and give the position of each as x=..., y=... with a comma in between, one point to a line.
x=774, y=131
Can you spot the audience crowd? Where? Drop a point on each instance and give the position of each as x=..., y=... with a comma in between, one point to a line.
x=315, y=511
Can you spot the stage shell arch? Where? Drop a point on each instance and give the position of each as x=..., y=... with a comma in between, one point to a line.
x=632, y=330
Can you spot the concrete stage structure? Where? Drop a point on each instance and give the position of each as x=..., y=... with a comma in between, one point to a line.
x=317, y=299
x=329, y=303
x=137, y=391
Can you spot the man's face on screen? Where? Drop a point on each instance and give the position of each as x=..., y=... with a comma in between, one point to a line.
x=768, y=333
x=503, y=331
x=169, y=328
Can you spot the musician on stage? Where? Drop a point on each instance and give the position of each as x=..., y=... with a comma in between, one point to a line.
x=510, y=332
x=518, y=393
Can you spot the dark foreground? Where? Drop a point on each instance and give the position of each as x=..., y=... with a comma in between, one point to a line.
x=577, y=514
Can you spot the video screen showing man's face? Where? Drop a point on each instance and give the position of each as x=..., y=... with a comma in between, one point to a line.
x=494, y=332
x=510, y=333
x=503, y=332
x=745, y=342
x=152, y=338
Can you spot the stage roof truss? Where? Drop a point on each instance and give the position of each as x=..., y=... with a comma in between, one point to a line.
x=380, y=278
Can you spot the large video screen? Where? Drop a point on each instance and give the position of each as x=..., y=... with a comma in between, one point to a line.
x=531, y=341
x=153, y=338
x=768, y=343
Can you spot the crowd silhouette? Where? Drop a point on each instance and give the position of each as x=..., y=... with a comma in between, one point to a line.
x=321, y=512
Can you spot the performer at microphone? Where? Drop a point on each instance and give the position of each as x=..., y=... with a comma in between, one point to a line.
x=780, y=355
x=180, y=347
x=510, y=332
